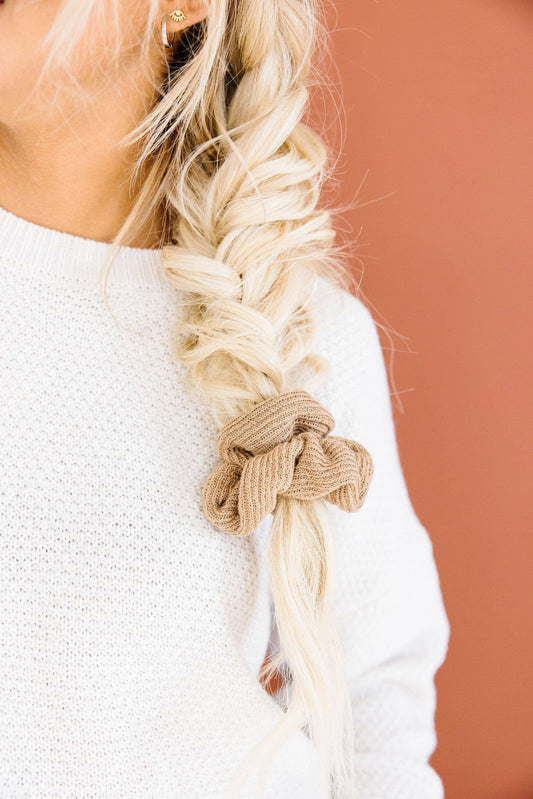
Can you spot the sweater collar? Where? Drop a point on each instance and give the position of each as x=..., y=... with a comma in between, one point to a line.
x=53, y=253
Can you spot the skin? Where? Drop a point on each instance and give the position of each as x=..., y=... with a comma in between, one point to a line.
x=59, y=162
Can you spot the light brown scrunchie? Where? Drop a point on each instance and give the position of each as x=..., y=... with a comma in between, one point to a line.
x=282, y=447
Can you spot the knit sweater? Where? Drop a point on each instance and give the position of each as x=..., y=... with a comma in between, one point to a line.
x=132, y=630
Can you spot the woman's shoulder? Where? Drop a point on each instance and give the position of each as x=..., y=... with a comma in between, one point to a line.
x=346, y=336
x=338, y=303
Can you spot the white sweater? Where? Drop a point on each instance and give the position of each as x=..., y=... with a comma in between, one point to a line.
x=131, y=629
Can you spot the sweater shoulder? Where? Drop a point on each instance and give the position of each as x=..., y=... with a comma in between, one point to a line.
x=346, y=336
x=337, y=306
x=345, y=330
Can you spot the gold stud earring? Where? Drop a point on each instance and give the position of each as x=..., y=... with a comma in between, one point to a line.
x=177, y=15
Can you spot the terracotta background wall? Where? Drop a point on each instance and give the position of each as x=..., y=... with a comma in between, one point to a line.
x=439, y=132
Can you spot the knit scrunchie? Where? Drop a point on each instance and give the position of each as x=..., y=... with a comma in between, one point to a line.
x=282, y=447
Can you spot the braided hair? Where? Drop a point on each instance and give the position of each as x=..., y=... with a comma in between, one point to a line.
x=236, y=174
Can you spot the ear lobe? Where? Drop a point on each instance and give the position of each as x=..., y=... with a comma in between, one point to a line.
x=198, y=11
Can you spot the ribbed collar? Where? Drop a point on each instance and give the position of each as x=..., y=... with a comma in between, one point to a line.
x=56, y=254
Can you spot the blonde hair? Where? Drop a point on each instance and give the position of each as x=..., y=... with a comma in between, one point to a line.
x=225, y=157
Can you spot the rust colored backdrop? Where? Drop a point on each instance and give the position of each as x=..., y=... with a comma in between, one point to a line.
x=439, y=134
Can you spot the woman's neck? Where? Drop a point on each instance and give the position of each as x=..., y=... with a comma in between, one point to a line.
x=71, y=176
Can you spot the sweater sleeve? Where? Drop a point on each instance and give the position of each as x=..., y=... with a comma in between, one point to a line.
x=387, y=595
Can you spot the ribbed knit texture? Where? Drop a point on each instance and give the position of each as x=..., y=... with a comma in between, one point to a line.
x=282, y=447
x=132, y=630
